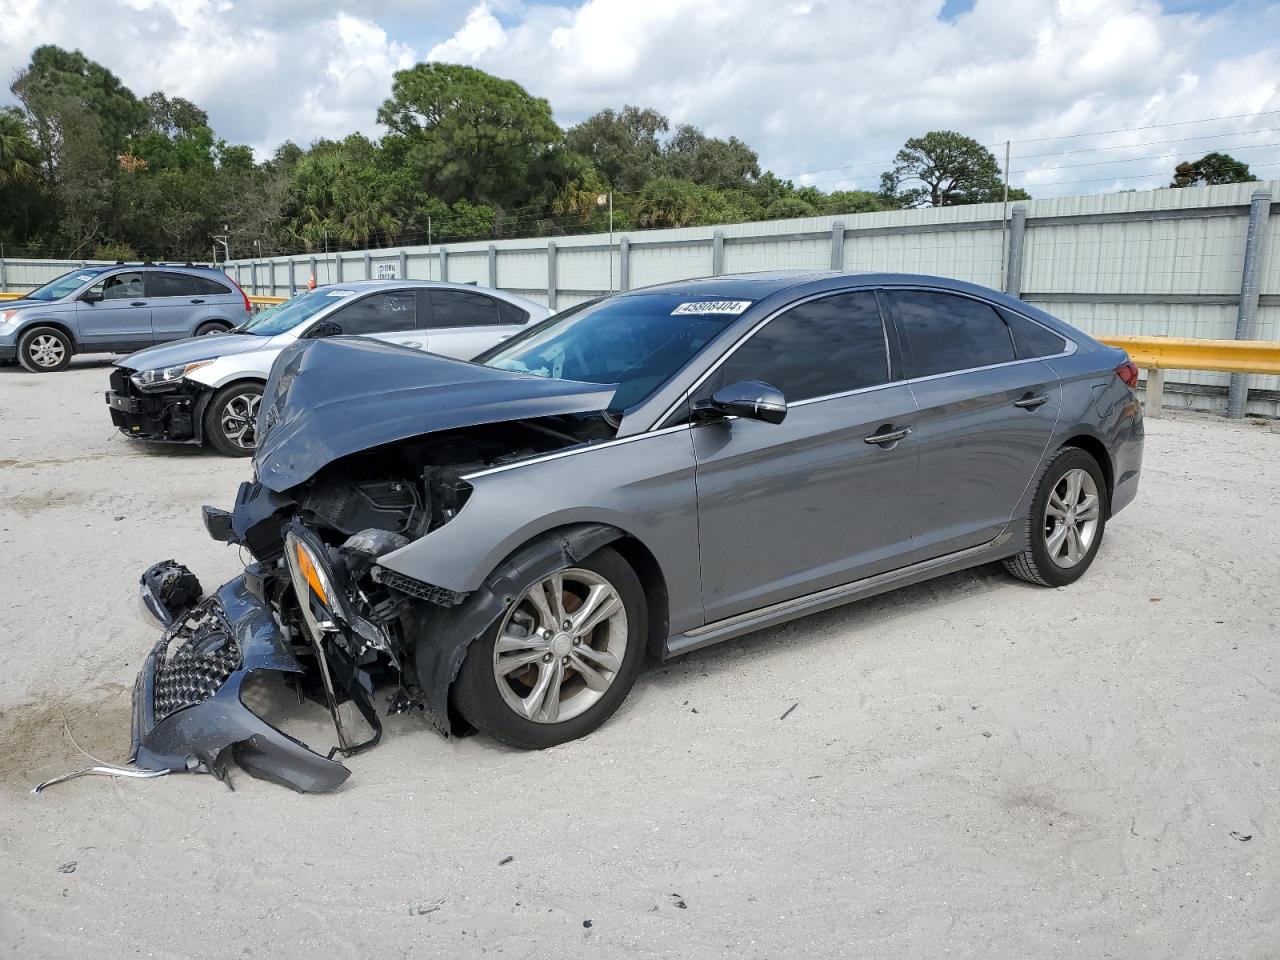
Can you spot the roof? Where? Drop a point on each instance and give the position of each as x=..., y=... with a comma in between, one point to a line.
x=439, y=284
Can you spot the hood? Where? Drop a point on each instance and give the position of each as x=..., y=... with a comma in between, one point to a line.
x=20, y=304
x=333, y=397
x=192, y=349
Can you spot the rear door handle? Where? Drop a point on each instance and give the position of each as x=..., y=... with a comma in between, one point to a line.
x=1031, y=402
x=888, y=436
x=197, y=301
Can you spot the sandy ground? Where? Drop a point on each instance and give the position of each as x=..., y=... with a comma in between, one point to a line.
x=975, y=767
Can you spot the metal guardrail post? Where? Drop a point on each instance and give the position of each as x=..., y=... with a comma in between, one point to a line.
x=493, y=266
x=717, y=253
x=444, y=264
x=837, y=245
x=1017, y=232
x=624, y=264
x=551, y=274
x=1250, y=288
x=368, y=265
x=1155, y=391
x=404, y=265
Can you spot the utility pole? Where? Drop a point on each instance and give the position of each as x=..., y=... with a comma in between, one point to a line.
x=1004, y=218
x=601, y=200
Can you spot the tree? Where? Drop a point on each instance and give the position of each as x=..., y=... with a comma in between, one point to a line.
x=691, y=155
x=18, y=155
x=949, y=169
x=667, y=202
x=467, y=134
x=1211, y=169
x=624, y=146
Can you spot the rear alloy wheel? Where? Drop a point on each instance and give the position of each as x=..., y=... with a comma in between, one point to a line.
x=231, y=421
x=44, y=350
x=1068, y=518
x=561, y=659
x=211, y=329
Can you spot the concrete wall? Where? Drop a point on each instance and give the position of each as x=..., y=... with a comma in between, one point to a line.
x=1160, y=262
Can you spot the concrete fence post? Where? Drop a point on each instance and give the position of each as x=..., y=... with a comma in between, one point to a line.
x=837, y=245
x=404, y=265
x=493, y=266
x=253, y=277
x=293, y=278
x=1154, y=387
x=624, y=264
x=551, y=274
x=1017, y=232
x=1250, y=287
x=313, y=274
x=337, y=268
x=444, y=264
x=4, y=279
x=368, y=265
x=717, y=253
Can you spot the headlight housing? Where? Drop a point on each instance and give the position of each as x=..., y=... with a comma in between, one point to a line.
x=163, y=377
x=8, y=317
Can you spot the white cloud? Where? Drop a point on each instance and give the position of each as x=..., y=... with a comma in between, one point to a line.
x=825, y=90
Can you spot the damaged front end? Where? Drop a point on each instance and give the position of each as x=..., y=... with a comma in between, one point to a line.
x=170, y=411
x=315, y=607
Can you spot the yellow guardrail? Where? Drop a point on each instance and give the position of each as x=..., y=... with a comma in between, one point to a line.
x=1186, y=353
x=267, y=301
x=10, y=296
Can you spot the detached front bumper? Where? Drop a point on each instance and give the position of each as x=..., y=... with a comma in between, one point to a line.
x=187, y=708
x=171, y=416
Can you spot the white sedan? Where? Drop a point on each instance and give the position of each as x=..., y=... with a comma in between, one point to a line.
x=209, y=388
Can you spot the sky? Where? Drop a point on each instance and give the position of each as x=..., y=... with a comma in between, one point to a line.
x=1095, y=95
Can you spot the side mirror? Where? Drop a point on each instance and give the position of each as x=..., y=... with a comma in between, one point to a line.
x=91, y=296
x=749, y=399
x=325, y=328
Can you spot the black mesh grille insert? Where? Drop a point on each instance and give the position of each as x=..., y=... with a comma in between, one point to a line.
x=419, y=589
x=199, y=655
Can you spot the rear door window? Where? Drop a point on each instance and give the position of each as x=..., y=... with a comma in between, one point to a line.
x=822, y=347
x=459, y=308
x=947, y=332
x=378, y=313
x=171, y=285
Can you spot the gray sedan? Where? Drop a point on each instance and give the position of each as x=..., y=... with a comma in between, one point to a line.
x=500, y=543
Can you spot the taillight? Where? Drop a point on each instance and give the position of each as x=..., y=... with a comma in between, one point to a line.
x=1128, y=372
x=248, y=307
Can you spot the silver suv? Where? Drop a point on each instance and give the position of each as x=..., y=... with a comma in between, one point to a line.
x=117, y=309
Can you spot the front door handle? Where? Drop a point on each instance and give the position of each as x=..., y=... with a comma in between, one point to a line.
x=888, y=436
x=1030, y=402
x=138, y=303
x=197, y=301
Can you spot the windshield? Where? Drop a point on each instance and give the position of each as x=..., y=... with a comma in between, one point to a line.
x=637, y=342
x=65, y=284
x=283, y=317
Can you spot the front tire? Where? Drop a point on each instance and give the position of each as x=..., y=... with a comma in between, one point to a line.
x=1067, y=520
x=211, y=329
x=561, y=659
x=44, y=350
x=231, y=420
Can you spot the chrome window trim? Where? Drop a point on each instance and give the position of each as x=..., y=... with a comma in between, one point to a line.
x=1072, y=347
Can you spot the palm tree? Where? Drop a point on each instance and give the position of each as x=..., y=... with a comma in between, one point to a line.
x=18, y=155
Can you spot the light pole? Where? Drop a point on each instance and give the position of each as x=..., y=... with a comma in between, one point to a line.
x=223, y=238
x=601, y=200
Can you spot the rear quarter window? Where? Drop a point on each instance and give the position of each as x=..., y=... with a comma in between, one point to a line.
x=1032, y=340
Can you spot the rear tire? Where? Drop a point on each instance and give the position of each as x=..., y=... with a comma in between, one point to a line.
x=211, y=329
x=590, y=667
x=231, y=420
x=1066, y=523
x=44, y=350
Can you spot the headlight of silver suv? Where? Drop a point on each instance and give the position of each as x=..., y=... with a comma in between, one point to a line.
x=161, y=377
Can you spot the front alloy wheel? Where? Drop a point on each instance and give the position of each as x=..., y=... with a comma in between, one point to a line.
x=562, y=657
x=231, y=421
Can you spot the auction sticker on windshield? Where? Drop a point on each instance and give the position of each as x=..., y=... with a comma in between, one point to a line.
x=711, y=306
x=339, y=293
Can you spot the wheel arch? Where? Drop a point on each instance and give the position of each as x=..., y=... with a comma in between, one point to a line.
x=1091, y=445
x=59, y=325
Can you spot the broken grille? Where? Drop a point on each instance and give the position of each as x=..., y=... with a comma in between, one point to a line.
x=196, y=659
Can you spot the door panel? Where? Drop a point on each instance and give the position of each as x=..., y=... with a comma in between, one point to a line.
x=121, y=320
x=978, y=451
x=464, y=324
x=806, y=504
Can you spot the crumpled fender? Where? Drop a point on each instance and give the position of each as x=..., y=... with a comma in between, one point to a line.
x=445, y=634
